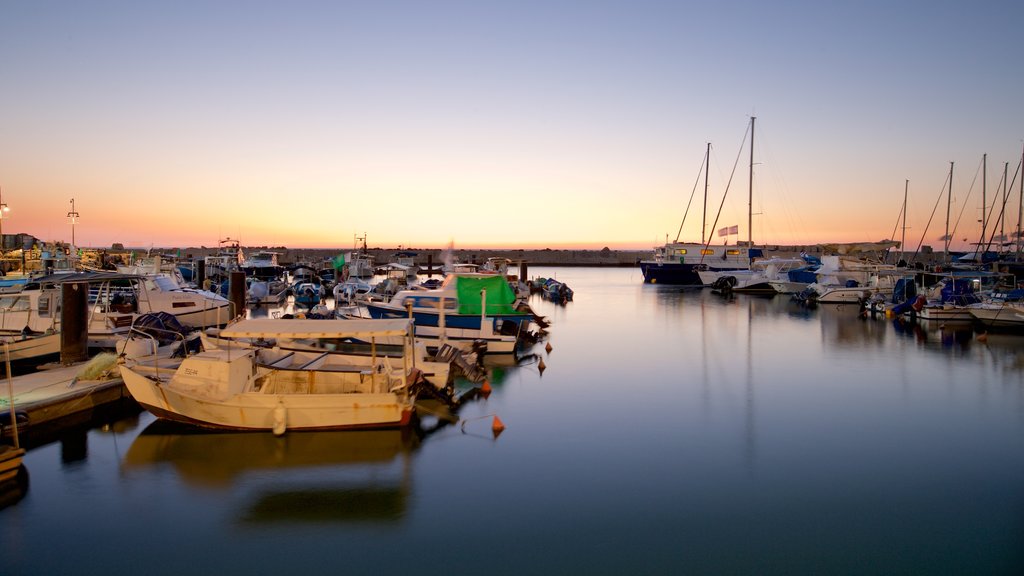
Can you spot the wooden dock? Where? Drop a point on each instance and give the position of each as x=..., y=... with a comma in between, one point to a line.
x=48, y=401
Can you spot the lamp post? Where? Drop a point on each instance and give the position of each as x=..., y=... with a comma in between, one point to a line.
x=74, y=218
x=3, y=209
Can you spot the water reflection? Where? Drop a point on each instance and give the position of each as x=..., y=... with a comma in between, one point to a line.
x=347, y=476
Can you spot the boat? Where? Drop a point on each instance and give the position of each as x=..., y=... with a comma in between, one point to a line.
x=306, y=287
x=680, y=263
x=32, y=349
x=407, y=260
x=253, y=388
x=218, y=267
x=114, y=301
x=467, y=299
x=758, y=279
x=999, y=316
x=263, y=265
x=10, y=462
x=268, y=292
x=11, y=456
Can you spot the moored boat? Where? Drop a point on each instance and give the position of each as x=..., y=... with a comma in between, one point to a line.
x=250, y=388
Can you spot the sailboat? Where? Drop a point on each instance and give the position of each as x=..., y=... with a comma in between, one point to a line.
x=679, y=263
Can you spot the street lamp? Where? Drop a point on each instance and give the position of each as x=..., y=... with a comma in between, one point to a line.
x=74, y=218
x=3, y=209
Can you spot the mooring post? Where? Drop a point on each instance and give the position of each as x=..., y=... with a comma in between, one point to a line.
x=200, y=274
x=74, y=326
x=236, y=292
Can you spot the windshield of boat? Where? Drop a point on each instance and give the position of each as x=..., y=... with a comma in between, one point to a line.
x=165, y=283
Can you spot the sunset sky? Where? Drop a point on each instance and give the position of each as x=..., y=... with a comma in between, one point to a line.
x=503, y=124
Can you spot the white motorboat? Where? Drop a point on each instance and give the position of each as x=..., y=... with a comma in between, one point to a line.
x=114, y=301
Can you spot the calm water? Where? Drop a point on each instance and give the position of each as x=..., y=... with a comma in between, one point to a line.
x=671, y=432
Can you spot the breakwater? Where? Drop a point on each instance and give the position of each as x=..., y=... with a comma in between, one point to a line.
x=537, y=257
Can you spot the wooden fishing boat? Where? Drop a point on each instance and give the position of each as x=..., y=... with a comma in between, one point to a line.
x=250, y=388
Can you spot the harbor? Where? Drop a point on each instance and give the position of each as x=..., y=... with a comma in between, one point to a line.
x=511, y=289
x=875, y=442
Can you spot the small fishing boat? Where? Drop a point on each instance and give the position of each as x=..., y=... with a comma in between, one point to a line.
x=253, y=388
x=467, y=299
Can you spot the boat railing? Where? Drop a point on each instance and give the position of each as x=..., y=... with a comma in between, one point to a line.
x=155, y=354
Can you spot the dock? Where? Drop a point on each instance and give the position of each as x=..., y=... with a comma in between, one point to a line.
x=51, y=400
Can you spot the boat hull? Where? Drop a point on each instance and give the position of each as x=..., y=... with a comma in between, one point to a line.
x=670, y=273
x=258, y=411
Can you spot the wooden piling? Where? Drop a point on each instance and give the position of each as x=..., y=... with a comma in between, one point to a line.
x=200, y=277
x=236, y=293
x=74, y=324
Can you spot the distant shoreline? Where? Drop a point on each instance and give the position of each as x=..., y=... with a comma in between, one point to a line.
x=533, y=257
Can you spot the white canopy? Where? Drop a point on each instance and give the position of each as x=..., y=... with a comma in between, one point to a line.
x=306, y=328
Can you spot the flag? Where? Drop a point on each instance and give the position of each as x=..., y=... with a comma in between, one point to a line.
x=339, y=261
x=734, y=229
x=723, y=231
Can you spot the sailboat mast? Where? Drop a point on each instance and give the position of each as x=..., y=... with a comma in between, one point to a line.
x=1020, y=203
x=1002, y=210
x=949, y=202
x=984, y=198
x=707, y=169
x=750, y=203
x=903, y=239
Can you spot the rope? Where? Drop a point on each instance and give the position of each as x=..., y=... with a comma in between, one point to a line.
x=727, y=186
x=928, y=225
x=703, y=167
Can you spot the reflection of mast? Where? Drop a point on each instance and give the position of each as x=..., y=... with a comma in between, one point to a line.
x=750, y=436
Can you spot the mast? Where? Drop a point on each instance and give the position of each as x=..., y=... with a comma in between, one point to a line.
x=949, y=201
x=750, y=203
x=984, y=199
x=703, y=222
x=903, y=239
x=1020, y=204
x=1002, y=210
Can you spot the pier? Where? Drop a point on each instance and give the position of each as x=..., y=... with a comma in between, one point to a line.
x=48, y=401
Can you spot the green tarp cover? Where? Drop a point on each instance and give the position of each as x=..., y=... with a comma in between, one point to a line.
x=500, y=296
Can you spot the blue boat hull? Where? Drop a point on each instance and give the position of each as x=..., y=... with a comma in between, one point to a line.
x=670, y=273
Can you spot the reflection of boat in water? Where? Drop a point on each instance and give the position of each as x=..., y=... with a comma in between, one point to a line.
x=355, y=480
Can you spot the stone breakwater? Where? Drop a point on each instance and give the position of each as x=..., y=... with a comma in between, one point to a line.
x=543, y=257
x=546, y=257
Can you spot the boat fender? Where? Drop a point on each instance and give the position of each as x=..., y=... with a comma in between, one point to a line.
x=919, y=303
x=280, y=418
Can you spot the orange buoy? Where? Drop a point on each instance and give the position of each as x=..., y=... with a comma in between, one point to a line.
x=983, y=337
x=541, y=366
x=497, y=426
x=485, y=390
x=547, y=347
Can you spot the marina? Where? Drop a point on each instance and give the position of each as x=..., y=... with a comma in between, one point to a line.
x=695, y=431
x=511, y=288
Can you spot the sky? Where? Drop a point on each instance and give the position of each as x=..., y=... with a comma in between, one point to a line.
x=561, y=124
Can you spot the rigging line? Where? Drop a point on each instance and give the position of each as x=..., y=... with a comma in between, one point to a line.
x=1002, y=209
x=964, y=205
x=727, y=186
x=703, y=166
x=897, y=226
x=936, y=207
